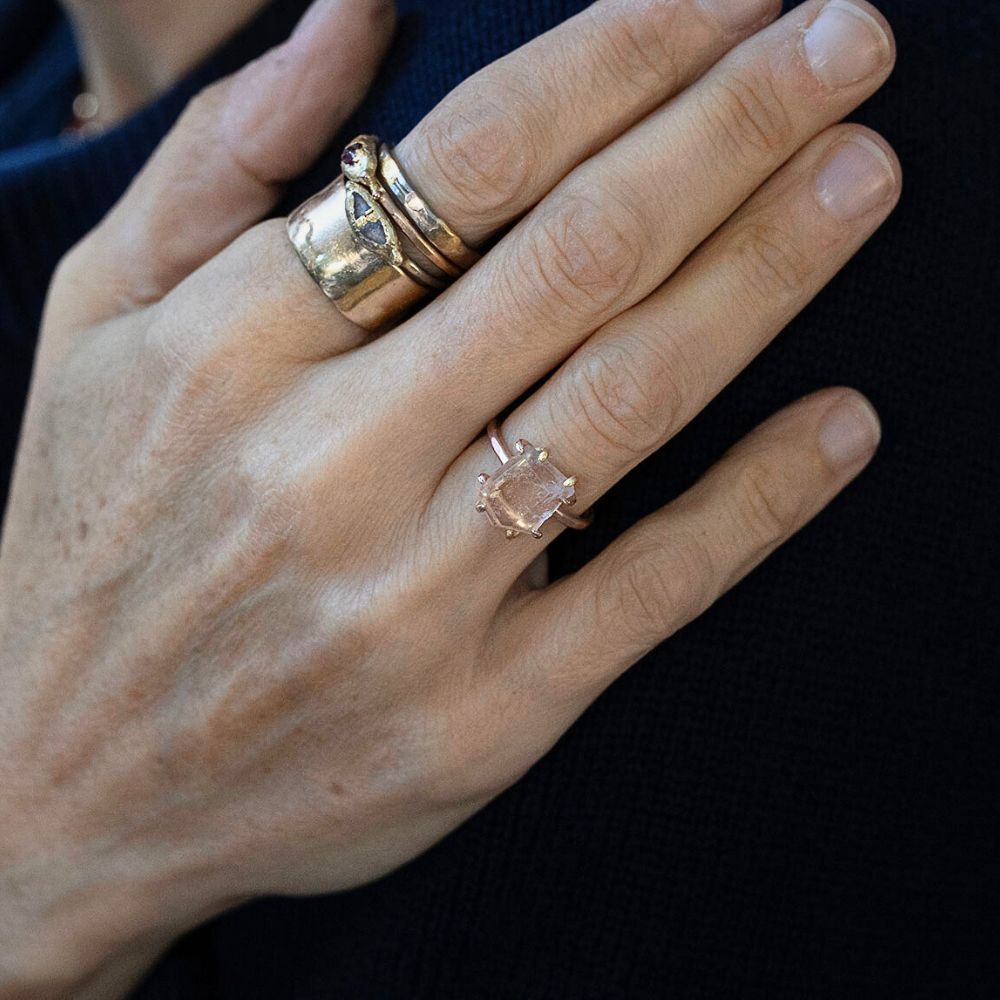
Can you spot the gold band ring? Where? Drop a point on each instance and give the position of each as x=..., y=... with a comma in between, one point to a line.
x=437, y=231
x=368, y=253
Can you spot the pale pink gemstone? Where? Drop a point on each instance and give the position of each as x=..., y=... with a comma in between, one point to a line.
x=525, y=492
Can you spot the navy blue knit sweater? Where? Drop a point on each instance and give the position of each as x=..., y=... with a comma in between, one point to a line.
x=795, y=797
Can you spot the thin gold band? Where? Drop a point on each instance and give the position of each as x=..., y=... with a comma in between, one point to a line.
x=350, y=238
x=437, y=231
x=414, y=235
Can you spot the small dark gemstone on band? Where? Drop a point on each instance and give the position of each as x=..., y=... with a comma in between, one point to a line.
x=374, y=232
x=361, y=206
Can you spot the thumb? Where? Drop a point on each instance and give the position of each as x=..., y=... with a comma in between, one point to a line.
x=224, y=164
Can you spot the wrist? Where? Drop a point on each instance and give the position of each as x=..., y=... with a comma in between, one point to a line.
x=68, y=929
x=89, y=898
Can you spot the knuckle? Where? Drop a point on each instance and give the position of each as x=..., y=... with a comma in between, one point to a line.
x=267, y=512
x=275, y=518
x=75, y=269
x=639, y=53
x=749, y=117
x=486, y=155
x=624, y=399
x=583, y=255
x=769, y=262
x=194, y=373
x=203, y=390
x=205, y=105
x=649, y=595
x=769, y=503
x=654, y=595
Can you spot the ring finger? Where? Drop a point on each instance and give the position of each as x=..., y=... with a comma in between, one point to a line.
x=641, y=378
x=617, y=227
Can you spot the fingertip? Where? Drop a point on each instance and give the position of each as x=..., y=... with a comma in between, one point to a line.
x=850, y=430
x=883, y=22
x=865, y=134
x=857, y=174
x=363, y=27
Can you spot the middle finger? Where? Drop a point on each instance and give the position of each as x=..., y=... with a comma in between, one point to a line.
x=640, y=379
x=621, y=223
x=498, y=143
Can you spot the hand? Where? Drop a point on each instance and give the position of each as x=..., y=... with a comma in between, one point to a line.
x=255, y=638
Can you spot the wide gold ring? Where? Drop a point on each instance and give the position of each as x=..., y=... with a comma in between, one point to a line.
x=372, y=243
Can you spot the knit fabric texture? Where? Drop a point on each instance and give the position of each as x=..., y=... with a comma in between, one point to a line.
x=796, y=796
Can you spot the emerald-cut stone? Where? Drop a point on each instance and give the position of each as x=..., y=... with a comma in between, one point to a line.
x=525, y=492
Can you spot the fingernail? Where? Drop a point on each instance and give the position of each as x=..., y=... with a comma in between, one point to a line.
x=739, y=15
x=850, y=432
x=845, y=44
x=856, y=178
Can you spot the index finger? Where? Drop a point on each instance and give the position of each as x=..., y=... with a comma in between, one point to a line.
x=506, y=136
x=503, y=139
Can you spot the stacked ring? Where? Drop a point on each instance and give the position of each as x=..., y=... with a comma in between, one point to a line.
x=372, y=243
x=436, y=230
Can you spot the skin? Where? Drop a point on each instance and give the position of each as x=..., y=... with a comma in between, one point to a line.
x=255, y=638
x=132, y=50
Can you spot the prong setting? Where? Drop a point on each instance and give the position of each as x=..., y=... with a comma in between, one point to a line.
x=526, y=491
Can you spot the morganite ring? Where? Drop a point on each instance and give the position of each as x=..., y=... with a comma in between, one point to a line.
x=527, y=490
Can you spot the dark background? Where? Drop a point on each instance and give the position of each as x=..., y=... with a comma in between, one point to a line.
x=796, y=796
